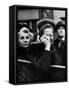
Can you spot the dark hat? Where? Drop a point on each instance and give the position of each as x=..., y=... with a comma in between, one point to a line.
x=63, y=18
x=44, y=22
x=59, y=24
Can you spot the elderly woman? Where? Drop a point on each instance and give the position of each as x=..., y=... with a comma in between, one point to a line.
x=46, y=36
x=24, y=54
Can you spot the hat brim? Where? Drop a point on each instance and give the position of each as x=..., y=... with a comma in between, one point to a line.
x=45, y=21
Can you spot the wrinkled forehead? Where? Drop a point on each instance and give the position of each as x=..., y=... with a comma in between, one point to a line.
x=23, y=34
x=48, y=31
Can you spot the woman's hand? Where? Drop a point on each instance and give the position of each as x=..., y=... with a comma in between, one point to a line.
x=46, y=40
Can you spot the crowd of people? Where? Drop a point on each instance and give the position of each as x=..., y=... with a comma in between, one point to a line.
x=44, y=61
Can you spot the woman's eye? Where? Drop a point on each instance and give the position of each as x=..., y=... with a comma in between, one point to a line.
x=27, y=37
x=62, y=27
x=22, y=38
x=51, y=35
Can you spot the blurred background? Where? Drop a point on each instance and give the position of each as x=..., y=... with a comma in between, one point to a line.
x=32, y=16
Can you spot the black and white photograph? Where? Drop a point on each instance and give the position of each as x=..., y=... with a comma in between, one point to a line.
x=38, y=37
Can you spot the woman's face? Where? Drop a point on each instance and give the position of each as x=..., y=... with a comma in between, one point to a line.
x=61, y=31
x=24, y=39
x=49, y=33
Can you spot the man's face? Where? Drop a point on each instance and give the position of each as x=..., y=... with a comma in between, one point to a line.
x=24, y=39
x=49, y=32
x=61, y=31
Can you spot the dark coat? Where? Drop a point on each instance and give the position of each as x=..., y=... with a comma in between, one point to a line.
x=60, y=52
x=37, y=69
x=58, y=59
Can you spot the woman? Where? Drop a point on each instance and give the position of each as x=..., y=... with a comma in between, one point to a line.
x=58, y=65
x=46, y=36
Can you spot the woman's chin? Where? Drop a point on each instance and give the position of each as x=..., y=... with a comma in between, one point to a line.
x=25, y=46
x=61, y=35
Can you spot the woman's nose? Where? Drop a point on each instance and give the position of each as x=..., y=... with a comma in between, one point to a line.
x=25, y=41
x=60, y=30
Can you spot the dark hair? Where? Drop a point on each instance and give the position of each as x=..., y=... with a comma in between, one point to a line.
x=19, y=26
x=59, y=24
